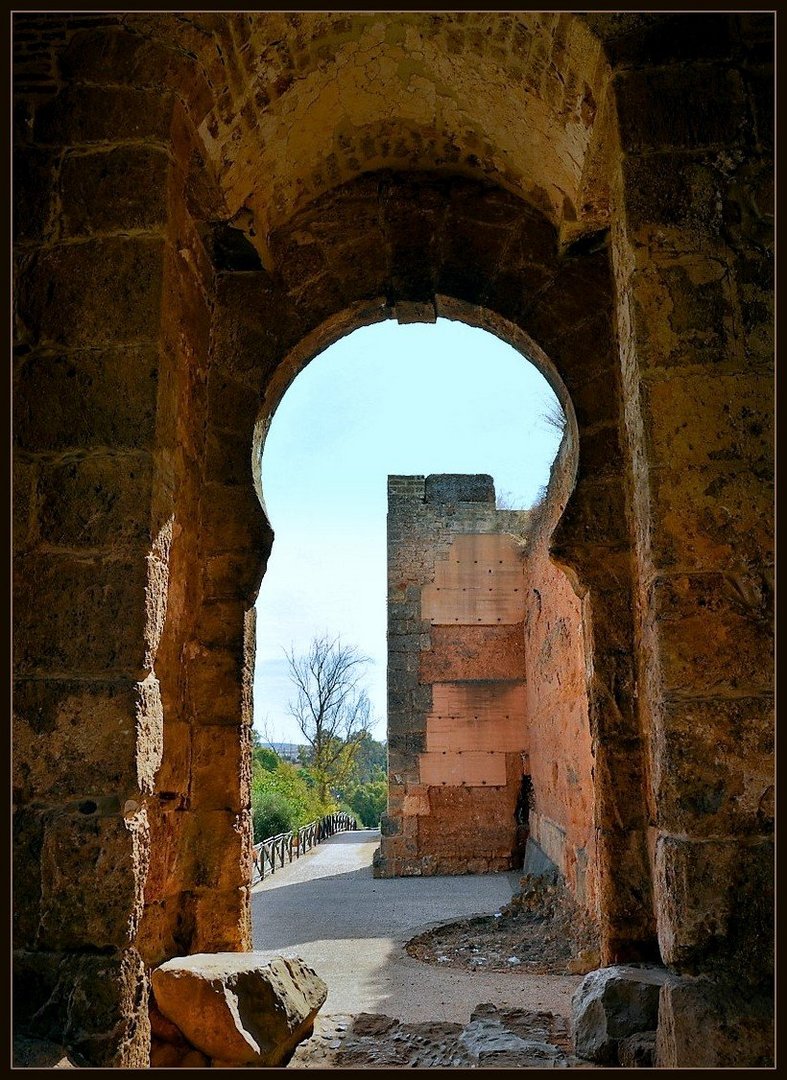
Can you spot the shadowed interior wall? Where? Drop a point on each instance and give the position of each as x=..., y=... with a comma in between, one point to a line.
x=191, y=227
x=562, y=757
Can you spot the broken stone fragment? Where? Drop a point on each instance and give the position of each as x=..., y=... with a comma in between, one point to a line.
x=612, y=1004
x=238, y=1008
x=489, y=1038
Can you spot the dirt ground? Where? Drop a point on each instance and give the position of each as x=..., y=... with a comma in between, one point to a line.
x=539, y=932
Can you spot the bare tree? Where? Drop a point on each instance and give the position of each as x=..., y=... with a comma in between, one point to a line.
x=332, y=709
x=553, y=416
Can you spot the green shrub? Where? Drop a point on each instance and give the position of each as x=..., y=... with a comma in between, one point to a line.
x=271, y=814
x=282, y=800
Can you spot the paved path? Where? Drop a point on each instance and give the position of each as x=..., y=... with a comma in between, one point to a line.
x=328, y=909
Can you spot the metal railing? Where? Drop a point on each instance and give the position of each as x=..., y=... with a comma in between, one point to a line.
x=288, y=845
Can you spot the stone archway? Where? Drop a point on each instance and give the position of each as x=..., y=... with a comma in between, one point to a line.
x=168, y=260
x=572, y=306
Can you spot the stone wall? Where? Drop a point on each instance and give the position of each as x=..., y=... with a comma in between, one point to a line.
x=562, y=755
x=693, y=250
x=487, y=670
x=204, y=202
x=456, y=717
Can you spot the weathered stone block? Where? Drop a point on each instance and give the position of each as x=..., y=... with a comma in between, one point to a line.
x=757, y=305
x=166, y=928
x=74, y=738
x=612, y=619
x=714, y=767
x=595, y=401
x=233, y=579
x=40, y=1054
x=83, y=615
x=92, y=876
x=715, y=633
x=214, y=691
x=245, y=347
x=515, y=290
x=708, y=1026
x=637, y=1051
x=666, y=192
x=473, y=652
x=220, y=768
x=407, y=741
x=585, y=350
x=227, y=458
x=101, y=292
x=600, y=454
x=232, y=519
x=612, y=1004
x=90, y=1003
x=114, y=190
x=24, y=480
x=237, y=1008
x=596, y=513
x=652, y=108
x=223, y=919
x=716, y=517
x=86, y=399
x=216, y=849
x=173, y=772
x=715, y=905
x=620, y=783
x=102, y=501
x=221, y=623
x=683, y=314
x=34, y=180
x=114, y=56
x=625, y=895
x=28, y=838
x=582, y=289
x=390, y=826
x=761, y=88
x=693, y=420
x=187, y=309
x=466, y=824
x=82, y=114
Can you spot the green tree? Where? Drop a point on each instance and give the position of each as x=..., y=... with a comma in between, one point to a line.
x=331, y=709
x=282, y=799
x=368, y=801
x=266, y=757
x=371, y=760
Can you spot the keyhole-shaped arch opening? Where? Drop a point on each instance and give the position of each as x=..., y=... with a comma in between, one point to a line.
x=386, y=399
x=423, y=401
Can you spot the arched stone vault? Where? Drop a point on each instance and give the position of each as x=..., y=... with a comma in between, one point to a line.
x=154, y=165
x=312, y=100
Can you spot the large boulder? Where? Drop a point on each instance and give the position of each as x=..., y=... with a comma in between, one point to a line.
x=238, y=1008
x=612, y=1004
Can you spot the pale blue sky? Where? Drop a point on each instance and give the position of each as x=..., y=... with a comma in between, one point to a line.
x=413, y=399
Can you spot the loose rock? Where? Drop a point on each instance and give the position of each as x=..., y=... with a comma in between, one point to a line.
x=238, y=1008
x=612, y=1004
